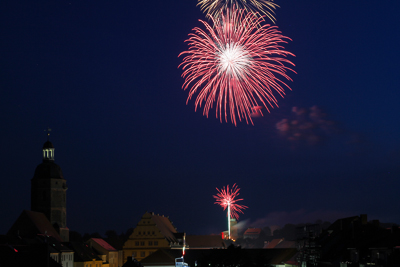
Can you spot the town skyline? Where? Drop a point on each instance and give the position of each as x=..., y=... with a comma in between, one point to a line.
x=105, y=78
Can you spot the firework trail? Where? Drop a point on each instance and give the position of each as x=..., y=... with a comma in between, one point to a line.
x=233, y=63
x=214, y=7
x=226, y=197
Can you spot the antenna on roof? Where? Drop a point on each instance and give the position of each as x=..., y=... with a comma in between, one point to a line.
x=48, y=130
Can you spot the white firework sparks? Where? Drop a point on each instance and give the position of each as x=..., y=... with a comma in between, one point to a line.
x=234, y=59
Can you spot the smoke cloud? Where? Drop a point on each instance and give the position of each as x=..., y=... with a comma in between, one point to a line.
x=309, y=125
x=280, y=218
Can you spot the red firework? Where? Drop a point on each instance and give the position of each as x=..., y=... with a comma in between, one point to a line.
x=226, y=197
x=233, y=63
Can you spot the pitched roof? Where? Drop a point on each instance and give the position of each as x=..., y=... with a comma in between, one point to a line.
x=165, y=226
x=274, y=242
x=103, y=244
x=32, y=223
x=162, y=257
x=252, y=231
x=204, y=241
x=82, y=252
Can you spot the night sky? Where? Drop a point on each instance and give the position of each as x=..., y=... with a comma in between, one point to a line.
x=103, y=75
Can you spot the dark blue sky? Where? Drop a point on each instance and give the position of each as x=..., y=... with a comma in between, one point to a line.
x=103, y=76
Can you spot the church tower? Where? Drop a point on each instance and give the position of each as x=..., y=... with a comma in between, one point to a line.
x=49, y=190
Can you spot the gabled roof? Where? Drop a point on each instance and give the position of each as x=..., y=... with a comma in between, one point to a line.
x=82, y=252
x=274, y=242
x=54, y=244
x=204, y=241
x=31, y=223
x=252, y=231
x=103, y=244
x=165, y=226
x=162, y=257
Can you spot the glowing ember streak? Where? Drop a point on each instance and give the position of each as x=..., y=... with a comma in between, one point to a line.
x=226, y=197
x=233, y=63
x=214, y=7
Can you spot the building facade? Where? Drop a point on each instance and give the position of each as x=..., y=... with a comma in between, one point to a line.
x=108, y=253
x=153, y=232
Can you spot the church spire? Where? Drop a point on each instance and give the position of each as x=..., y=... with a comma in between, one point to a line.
x=48, y=148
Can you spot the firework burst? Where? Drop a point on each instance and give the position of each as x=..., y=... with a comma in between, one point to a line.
x=234, y=63
x=227, y=197
x=214, y=7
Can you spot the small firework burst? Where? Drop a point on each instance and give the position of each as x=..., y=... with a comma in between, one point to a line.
x=227, y=197
x=215, y=7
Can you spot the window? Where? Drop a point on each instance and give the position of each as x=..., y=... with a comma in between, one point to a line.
x=148, y=232
x=142, y=243
x=150, y=243
x=142, y=254
x=152, y=233
x=155, y=243
x=137, y=243
x=140, y=233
